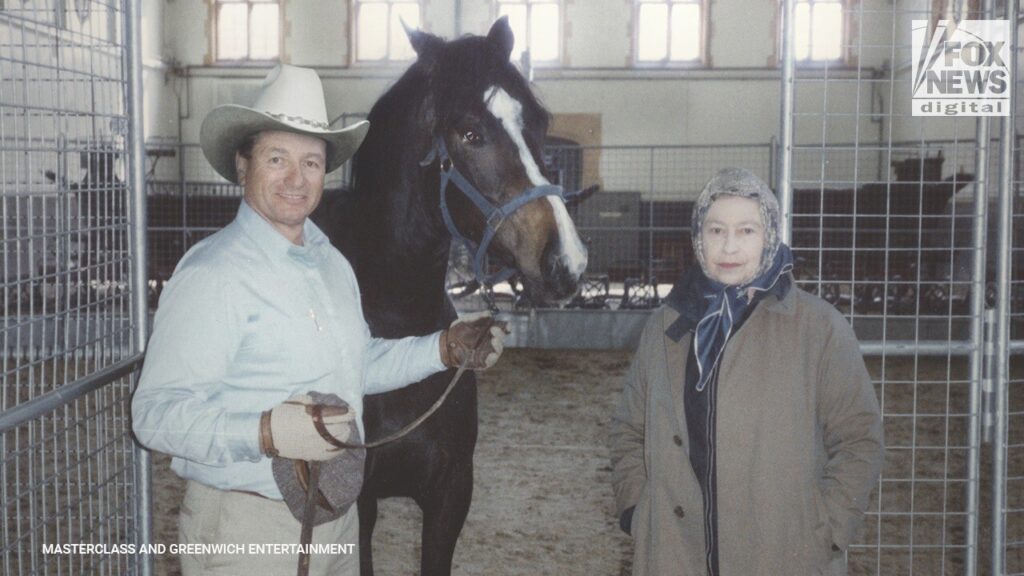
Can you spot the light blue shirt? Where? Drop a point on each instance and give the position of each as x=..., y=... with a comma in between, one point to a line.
x=247, y=320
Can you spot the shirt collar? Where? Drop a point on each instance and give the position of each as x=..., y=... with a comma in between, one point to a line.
x=274, y=244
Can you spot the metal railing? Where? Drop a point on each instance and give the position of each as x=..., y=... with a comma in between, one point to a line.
x=73, y=330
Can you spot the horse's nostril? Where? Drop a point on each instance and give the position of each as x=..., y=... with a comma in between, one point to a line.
x=562, y=282
x=560, y=277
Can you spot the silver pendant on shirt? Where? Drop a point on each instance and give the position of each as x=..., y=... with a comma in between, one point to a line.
x=312, y=315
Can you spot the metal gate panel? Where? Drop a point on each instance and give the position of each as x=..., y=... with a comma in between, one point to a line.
x=886, y=215
x=1008, y=450
x=70, y=331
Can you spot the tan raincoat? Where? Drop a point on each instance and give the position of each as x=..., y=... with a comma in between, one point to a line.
x=799, y=446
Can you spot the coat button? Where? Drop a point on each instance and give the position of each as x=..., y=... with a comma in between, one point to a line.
x=677, y=440
x=680, y=512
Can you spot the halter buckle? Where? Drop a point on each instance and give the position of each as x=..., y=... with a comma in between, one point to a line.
x=495, y=220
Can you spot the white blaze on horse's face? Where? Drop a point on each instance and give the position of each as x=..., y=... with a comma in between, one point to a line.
x=509, y=112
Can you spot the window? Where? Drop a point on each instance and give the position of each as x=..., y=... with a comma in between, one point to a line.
x=669, y=31
x=537, y=27
x=819, y=30
x=379, y=36
x=248, y=29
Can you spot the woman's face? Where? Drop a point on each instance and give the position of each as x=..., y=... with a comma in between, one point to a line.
x=733, y=239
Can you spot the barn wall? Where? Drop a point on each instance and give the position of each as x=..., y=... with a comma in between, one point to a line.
x=908, y=128
x=734, y=100
x=160, y=120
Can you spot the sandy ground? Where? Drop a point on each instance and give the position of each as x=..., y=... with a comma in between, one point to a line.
x=543, y=503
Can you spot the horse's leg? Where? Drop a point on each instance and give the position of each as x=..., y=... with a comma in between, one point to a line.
x=445, y=507
x=367, y=520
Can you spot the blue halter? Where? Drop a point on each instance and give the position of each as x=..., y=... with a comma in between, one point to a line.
x=494, y=215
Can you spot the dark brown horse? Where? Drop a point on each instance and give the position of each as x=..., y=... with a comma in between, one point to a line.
x=465, y=101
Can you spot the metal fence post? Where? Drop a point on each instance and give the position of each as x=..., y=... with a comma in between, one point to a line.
x=976, y=359
x=183, y=191
x=1003, y=281
x=143, y=467
x=650, y=219
x=783, y=187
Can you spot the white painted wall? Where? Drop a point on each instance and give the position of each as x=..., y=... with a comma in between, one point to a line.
x=315, y=32
x=160, y=119
x=734, y=100
x=907, y=127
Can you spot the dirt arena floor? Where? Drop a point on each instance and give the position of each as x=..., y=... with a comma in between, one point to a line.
x=543, y=503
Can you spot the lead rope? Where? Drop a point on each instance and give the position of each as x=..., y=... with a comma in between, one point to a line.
x=312, y=488
x=318, y=408
x=488, y=296
x=308, y=516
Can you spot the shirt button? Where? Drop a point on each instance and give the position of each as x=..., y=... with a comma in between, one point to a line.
x=680, y=512
x=677, y=440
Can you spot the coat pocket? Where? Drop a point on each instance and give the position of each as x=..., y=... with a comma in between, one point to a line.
x=822, y=532
x=638, y=526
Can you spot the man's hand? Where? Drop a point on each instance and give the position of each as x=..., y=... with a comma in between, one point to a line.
x=288, y=431
x=475, y=339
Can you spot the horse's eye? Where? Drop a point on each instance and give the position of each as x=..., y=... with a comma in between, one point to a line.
x=472, y=137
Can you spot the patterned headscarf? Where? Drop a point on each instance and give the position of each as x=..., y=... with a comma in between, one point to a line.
x=745, y=184
x=725, y=305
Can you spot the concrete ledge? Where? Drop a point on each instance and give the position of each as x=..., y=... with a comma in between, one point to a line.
x=575, y=329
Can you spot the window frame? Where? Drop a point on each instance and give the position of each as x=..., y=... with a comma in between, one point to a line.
x=353, y=48
x=216, y=59
x=702, y=61
x=560, y=59
x=846, y=59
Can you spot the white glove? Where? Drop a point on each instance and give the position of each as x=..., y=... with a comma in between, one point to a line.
x=288, y=431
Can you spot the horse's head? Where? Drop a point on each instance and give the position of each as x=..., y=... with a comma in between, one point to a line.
x=492, y=128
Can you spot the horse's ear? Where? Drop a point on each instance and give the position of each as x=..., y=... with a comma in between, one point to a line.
x=424, y=43
x=501, y=37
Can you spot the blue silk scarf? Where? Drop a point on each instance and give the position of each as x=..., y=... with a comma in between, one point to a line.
x=725, y=306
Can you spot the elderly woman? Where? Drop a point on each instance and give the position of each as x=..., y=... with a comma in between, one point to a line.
x=748, y=436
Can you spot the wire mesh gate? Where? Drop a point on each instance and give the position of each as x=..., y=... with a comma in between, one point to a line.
x=72, y=328
x=891, y=229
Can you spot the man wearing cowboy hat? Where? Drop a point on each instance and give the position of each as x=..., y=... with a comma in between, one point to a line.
x=257, y=321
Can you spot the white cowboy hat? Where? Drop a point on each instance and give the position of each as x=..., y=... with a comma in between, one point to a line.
x=291, y=99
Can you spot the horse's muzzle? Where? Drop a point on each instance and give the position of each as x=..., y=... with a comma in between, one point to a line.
x=560, y=282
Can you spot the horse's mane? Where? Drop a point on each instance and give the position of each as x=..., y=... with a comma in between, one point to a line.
x=385, y=169
x=471, y=65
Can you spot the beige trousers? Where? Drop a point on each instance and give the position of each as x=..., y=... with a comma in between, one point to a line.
x=209, y=516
